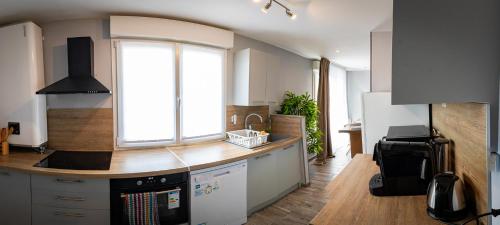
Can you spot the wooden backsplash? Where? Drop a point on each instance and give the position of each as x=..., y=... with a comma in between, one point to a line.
x=466, y=125
x=287, y=124
x=241, y=112
x=80, y=129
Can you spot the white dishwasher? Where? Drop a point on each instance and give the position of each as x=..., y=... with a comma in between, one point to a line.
x=219, y=195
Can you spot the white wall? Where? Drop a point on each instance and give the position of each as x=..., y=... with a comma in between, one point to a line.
x=295, y=73
x=381, y=61
x=358, y=82
x=56, y=61
x=379, y=115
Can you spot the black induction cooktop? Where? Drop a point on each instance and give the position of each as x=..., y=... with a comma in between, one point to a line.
x=77, y=160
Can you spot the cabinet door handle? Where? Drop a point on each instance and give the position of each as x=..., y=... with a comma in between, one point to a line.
x=3, y=173
x=68, y=214
x=222, y=174
x=68, y=198
x=67, y=181
x=288, y=147
x=263, y=156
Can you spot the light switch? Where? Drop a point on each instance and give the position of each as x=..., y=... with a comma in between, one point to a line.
x=234, y=119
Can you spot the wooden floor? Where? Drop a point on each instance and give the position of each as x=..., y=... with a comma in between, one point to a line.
x=300, y=206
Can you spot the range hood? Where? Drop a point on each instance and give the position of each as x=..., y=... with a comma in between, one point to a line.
x=81, y=71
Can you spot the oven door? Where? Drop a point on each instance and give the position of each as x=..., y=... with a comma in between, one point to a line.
x=169, y=213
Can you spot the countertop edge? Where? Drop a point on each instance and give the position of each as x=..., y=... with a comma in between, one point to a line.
x=107, y=175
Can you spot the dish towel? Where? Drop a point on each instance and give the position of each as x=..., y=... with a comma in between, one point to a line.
x=142, y=208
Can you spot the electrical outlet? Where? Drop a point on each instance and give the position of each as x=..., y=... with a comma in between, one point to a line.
x=16, y=127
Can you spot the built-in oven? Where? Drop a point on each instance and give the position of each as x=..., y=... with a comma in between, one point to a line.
x=170, y=211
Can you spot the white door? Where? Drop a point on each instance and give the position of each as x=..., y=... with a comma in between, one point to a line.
x=258, y=77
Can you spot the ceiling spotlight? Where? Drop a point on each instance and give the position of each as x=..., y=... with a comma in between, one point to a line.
x=288, y=12
x=291, y=15
x=256, y=1
x=337, y=51
x=266, y=7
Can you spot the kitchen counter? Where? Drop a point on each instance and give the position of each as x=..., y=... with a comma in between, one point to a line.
x=209, y=155
x=350, y=201
x=148, y=162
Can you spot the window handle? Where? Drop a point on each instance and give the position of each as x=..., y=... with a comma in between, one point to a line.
x=178, y=101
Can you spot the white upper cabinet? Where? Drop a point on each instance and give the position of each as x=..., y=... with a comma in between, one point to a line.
x=253, y=70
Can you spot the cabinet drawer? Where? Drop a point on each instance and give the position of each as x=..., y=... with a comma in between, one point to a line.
x=44, y=215
x=69, y=184
x=75, y=200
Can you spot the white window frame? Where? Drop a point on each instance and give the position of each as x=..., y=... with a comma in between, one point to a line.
x=178, y=139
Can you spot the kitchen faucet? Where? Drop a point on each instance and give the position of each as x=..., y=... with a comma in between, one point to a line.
x=250, y=115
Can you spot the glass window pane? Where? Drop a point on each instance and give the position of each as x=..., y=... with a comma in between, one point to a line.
x=146, y=86
x=202, y=77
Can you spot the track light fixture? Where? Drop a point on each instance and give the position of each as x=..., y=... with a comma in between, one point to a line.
x=265, y=9
x=288, y=11
x=291, y=14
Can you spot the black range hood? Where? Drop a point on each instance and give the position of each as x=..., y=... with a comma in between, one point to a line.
x=80, y=79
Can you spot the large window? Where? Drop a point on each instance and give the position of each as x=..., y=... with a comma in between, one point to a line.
x=202, y=92
x=168, y=93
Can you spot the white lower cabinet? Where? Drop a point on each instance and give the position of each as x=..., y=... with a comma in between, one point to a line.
x=288, y=167
x=261, y=184
x=63, y=200
x=271, y=175
x=15, y=198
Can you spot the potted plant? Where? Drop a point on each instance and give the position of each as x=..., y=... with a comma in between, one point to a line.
x=304, y=105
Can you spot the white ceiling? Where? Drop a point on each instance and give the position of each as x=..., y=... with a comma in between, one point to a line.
x=336, y=29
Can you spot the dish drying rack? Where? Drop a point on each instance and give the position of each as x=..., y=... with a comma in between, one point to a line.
x=247, y=138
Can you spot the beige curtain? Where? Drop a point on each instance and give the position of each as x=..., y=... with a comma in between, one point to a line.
x=324, y=108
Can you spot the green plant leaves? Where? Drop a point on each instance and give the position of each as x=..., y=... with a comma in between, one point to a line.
x=304, y=105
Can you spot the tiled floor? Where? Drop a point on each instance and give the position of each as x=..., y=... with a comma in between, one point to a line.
x=300, y=206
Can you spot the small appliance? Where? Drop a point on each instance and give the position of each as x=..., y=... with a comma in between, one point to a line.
x=406, y=168
x=219, y=195
x=446, y=198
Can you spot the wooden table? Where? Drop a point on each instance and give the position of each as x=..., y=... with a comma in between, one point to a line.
x=350, y=202
x=355, y=136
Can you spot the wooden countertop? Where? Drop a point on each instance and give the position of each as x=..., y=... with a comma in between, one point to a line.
x=350, y=201
x=209, y=155
x=148, y=162
x=124, y=164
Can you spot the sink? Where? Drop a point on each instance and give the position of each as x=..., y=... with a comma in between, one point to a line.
x=276, y=137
